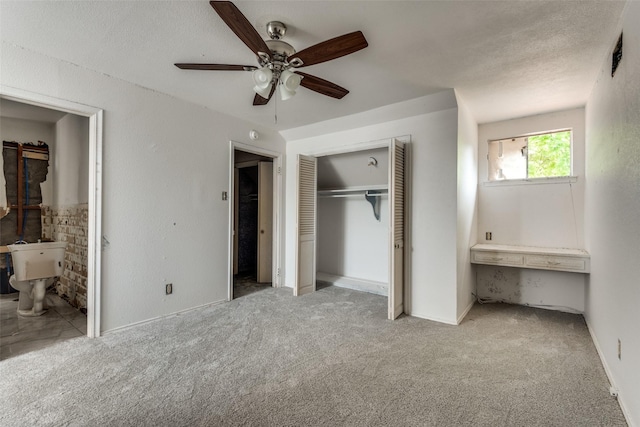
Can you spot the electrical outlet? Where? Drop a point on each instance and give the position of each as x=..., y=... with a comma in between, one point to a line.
x=487, y=235
x=168, y=288
x=619, y=349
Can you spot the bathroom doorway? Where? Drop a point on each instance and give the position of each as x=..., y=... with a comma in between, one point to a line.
x=254, y=221
x=44, y=196
x=71, y=198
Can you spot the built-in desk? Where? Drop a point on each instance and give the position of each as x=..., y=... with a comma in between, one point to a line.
x=557, y=259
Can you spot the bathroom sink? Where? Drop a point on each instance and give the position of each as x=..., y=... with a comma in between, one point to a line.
x=33, y=261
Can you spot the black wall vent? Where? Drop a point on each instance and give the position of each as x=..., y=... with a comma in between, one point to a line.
x=617, y=56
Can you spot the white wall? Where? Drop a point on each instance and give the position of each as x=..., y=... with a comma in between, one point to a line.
x=352, y=169
x=351, y=242
x=165, y=164
x=19, y=130
x=71, y=161
x=548, y=215
x=533, y=215
x=467, y=206
x=612, y=214
x=432, y=122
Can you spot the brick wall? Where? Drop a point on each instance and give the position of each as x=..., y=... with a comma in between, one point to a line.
x=69, y=224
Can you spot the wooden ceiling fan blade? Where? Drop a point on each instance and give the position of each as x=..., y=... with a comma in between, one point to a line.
x=258, y=100
x=331, y=49
x=215, y=67
x=241, y=26
x=322, y=86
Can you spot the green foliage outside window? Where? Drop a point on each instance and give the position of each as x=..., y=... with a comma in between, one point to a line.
x=549, y=155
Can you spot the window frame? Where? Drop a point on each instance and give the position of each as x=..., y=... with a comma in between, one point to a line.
x=571, y=178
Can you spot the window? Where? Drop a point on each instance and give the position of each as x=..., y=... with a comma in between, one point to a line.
x=25, y=168
x=545, y=155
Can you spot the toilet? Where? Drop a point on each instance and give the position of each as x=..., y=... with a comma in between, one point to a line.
x=35, y=266
x=32, y=292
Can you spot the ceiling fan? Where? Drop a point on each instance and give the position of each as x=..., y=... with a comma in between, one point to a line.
x=277, y=58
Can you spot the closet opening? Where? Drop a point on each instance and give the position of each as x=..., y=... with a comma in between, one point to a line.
x=353, y=221
x=350, y=222
x=253, y=218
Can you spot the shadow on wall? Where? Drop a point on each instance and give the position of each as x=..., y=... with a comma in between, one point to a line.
x=332, y=234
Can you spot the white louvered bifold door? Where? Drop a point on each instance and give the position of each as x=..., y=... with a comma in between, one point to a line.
x=396, y=226
x=306, y=226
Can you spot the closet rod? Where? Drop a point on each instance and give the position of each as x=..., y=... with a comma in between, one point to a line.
x=352, y=193
x=328, y=196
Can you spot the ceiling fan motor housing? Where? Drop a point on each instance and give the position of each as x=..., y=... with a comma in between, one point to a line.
x=280, y=51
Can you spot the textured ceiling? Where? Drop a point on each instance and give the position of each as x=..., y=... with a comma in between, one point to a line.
x=507, y=58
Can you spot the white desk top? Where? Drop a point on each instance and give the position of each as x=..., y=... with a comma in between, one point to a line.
x=530, y=250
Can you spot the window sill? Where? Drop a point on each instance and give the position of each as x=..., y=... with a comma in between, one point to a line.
x=532, y=181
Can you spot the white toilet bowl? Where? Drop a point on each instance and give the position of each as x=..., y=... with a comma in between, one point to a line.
x=31, y=301
x=35, y=266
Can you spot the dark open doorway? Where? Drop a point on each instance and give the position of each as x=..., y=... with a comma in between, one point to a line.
x=253, y=218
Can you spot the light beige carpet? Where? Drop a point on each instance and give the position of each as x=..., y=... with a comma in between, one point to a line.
x=330, y=358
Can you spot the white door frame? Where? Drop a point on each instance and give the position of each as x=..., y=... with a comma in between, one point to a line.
x=94, y=249
x=277, y=210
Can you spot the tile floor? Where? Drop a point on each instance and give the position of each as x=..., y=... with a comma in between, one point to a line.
x=19, y=335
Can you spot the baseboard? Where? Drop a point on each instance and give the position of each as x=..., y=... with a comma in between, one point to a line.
x=466, y=311
x=164, y=316
x=564, y=309
x=364, y=285
x=607, y=371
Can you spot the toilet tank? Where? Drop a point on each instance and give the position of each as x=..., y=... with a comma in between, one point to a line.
x=38, y=260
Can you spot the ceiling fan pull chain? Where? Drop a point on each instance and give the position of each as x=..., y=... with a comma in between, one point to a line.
x=275, y=105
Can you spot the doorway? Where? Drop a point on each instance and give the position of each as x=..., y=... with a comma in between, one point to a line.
x=93, y=162
x=254, y=221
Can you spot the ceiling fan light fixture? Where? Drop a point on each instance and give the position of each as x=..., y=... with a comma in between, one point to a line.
x=285, y=93
x=262, y=77
x=263, y=91
x=290, y=81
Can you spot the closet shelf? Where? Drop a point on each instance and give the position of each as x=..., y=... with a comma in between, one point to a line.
x=372, y=194
x=355, y=191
